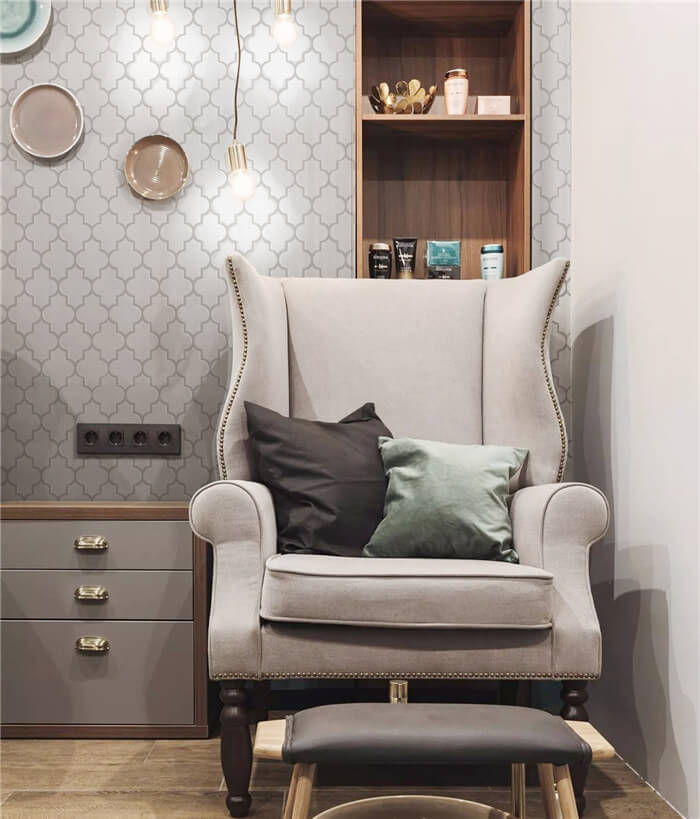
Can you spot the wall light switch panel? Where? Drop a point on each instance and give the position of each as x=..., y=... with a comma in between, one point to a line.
x=151, y=440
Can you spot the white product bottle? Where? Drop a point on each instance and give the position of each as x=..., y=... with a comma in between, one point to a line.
x=456, y=91
x=492, y=261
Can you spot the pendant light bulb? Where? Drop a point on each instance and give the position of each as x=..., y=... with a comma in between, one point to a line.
x=284, y=29
x=240, y=178
x=162, y=28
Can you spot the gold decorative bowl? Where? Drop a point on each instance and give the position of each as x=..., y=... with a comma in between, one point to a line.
x=408, y=98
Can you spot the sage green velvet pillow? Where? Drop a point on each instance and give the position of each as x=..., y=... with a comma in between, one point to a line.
x=446, y=500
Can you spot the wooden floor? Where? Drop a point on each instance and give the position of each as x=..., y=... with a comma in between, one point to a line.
x=144, y=778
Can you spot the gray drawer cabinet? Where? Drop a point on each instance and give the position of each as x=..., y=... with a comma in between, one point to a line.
x=104, y=610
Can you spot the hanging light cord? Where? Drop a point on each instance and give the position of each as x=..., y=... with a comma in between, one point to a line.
x=238, y=71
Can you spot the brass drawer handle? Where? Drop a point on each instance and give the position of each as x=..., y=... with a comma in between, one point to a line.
x=92, y=645
x=91, y=543
x=97, y=594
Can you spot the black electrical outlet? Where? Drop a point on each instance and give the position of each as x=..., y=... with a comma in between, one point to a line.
x=152, y=440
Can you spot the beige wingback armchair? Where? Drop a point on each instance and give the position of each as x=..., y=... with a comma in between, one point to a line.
x=457, y=361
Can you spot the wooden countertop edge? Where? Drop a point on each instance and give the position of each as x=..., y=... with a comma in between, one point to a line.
x=94, y=510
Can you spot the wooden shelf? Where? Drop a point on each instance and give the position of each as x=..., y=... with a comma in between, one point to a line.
x=441, y=126
x=436, y=176
x=430, y=17
x=401, y=119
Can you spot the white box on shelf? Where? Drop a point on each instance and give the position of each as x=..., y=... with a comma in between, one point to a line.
x=492, y=105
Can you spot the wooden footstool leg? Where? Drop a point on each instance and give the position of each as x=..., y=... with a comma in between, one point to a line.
x=300, y=788
x=549, y=796
x=565, y=789
x=517, y=790
x=291, y=795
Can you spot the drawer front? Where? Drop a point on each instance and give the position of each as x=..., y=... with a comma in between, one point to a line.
x=146, y=677
x=122, y=595
x=131, y=544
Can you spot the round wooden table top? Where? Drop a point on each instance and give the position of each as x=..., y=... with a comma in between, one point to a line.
x=413, y=807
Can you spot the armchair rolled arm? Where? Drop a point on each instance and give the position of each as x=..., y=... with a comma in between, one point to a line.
x=554, y=526
x=238, y=519
x=556, y=517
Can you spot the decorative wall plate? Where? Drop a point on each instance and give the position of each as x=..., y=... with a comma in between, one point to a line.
x=22, y=22
x=156, y=167
x=46, y=121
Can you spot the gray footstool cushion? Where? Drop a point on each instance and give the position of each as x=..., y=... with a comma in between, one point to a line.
x=439, y=734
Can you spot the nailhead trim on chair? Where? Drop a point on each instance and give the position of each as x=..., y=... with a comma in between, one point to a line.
x=547, y=378
x=300, y=675
x=234, y=389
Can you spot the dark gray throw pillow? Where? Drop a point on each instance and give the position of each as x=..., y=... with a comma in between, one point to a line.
x=326, y=479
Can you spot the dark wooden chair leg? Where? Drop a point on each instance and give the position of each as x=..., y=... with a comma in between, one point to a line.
x=236, y=749
x=574, y=696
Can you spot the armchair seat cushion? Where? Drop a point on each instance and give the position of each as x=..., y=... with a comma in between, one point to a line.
x=405, y=592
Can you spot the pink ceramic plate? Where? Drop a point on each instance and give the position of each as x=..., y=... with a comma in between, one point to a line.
x=156, y=167
x=46, y=121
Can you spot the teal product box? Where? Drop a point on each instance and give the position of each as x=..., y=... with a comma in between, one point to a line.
x=442, y=259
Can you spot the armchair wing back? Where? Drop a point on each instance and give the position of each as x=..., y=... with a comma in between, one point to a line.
x=457, y=361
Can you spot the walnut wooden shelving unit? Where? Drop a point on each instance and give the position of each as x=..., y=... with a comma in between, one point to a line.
x=436, y=176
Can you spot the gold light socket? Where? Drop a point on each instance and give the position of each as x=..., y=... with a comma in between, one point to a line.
x=236, y=157
x=283, y=7
x=159, y=5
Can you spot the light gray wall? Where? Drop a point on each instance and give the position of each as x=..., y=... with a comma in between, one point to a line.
x=636, y=361
x=113, y=307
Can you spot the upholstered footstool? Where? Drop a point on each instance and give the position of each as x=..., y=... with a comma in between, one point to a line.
x=433, y=734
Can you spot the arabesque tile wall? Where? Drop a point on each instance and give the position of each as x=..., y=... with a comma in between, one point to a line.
x=113, y=307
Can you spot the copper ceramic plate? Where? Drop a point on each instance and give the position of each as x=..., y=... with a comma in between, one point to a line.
x=46, y=121
x=413, y=807
x=156, y=167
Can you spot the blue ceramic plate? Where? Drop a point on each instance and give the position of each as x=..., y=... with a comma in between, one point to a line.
x=22, y=22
